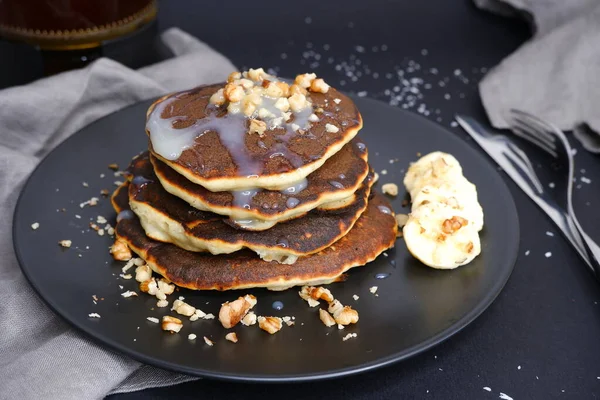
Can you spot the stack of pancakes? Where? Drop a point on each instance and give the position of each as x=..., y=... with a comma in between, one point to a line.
x=240, y=188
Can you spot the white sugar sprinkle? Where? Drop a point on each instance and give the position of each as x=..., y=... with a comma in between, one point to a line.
x=551, y=185
x=35, y=225
x=527, y=253
x=487, y=388
x=549, y=233
x=504, y=396
x=192, y=336
x=519, y=367
x=94, y=315
x=585, y=180
x=548, y=254
x=152, y=319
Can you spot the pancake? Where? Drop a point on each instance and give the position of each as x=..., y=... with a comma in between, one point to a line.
x=336, y=180
x=167, y=218
x=222, y=154
x=373, y=233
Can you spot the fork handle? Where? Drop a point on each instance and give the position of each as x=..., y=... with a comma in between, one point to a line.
x=592, y=249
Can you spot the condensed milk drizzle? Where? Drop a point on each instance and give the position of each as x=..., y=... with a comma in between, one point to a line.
x=169, y=142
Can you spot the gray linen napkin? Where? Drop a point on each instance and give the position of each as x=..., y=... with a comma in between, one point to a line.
x=40, y=355
x=556, y=75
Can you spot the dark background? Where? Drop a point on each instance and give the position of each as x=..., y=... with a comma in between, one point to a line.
x=540, y=338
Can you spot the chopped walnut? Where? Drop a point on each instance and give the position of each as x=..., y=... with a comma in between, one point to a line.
x=305, y=80
x=401, y=220
x=319, y=293
x=390, y=188
x=284, y=87
x=218, y=98
x=270, y=324
x=208, y=341
x=452, y=225
x=346, y=316
x=232, y=312
x=331, y=128
x=298, y=102
x=257, y=126
x=274, y=90
x=349, y=336
x=129, y=293
x=326, y=318
x=143, y=273
x=313, y=118
x=319, y=86
x=233, y=93
x=312, y=294
x=65, y=243
x=162, y=303
x=288, y=321
x=165, y=286
x=257, y=74
x=246, y=83
x=171, y=324
x=234, y=108
x=232, y=337
x=282, y=104
x=234, y=76
x=296, y=89
x=249, y=319
x=183, y=308
x=150, y=286
x=265, y=114
x=197, y=315
x=373, y=289
x=335, y=306
x=120, y=251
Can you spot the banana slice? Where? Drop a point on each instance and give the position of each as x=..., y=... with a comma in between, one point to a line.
x=437, y=166
x=441, y=236
x=460, y=195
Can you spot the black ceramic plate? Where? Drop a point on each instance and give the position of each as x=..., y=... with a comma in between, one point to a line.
x=415, y=308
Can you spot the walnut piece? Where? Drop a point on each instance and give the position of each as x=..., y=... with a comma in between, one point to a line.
x=298, y=102
x=234, y=76
x=183, y=308
x=232, y=337
x=313, y=294
x=390, y=188
x=401, y=220
x=120, y=251
x=270, y=324
x=165, y=286
x=326, y=318
x=233, y=93
x=218, y=98
x=450, y=226
x=171, y=324
x=258, y=126
x=346, y=316
x=65, y=243
x=232, y=312
x=319, y=86
x=331, y=128
x=249, y=319
x=143, y=273
x=150, y=286
x=257, y=74
x=305, y=80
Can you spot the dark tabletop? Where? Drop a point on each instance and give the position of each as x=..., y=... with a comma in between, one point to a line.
x=540, y=338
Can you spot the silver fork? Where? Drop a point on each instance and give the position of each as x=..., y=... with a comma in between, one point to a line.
x=553, y=141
